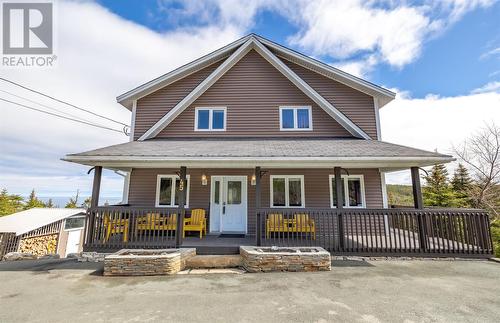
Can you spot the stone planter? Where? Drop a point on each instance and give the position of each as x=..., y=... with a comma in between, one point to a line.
x=265, y=259
x=144, y=262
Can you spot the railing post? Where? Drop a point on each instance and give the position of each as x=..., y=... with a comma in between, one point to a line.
x=419, y=205
x=258, y=230
x=339, y=188
x=182, y=211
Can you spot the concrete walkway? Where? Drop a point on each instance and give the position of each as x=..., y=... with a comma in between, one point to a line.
x=379, y=291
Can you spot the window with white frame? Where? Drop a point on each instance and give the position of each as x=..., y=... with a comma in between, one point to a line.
x=168, y=190
x=74, y=222
x=287, y=191
x=353, y=191
x=295, y=118
x=210, y=119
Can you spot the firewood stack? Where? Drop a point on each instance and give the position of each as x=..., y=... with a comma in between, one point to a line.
x=40, y=245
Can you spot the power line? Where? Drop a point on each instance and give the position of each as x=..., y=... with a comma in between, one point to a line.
x=60, y=116
x=61, y=101
x=43, y=105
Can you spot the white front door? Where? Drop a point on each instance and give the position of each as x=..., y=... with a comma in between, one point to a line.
x=228, y=204
x=73, y=243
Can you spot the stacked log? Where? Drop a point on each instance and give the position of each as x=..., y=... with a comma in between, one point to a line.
x=40, y=245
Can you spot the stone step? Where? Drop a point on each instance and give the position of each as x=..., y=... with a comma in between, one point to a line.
x=214, y=261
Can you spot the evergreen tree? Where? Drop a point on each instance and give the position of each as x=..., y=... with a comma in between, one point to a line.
x=438, y=191
x=73, y=202
x=462, y=185
x=10, y=203
x=49, y=203
x=33, y=201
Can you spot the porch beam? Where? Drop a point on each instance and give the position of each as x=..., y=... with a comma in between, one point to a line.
x=339, y=188
x=96, y=187
x=258, y=232
x=417, y=189
x=182, y=207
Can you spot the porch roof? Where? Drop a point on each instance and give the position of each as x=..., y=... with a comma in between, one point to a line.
x=244, y=152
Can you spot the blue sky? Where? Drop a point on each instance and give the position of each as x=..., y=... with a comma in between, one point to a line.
x=452, y=62
x=441, y=57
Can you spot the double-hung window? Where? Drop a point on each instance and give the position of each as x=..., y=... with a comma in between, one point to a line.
x=287, y=191
x=168, y=190
x=210, y=119
x=353, y=191
x=295, y=118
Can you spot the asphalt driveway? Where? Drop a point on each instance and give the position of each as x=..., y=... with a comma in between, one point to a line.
x=378, y=291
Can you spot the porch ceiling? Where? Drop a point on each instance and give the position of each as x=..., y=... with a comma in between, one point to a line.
x=270, y=153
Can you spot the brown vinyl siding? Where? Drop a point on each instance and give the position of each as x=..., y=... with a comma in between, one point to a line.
x=356, y=105
x=142, y=191
x=154, y=106
x=252, y=91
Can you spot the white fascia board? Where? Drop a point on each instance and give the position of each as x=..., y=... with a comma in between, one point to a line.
x=310, y=92
x=132, y=122
x=199, y=90
x=126, y=98
x=377, y=117
x=362, y=85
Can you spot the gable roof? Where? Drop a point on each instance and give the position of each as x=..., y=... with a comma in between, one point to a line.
x=255, y=44
x=32, y=219
x=384, y=95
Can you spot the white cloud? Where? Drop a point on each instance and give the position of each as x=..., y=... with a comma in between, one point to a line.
x=100, y=56
x=489, y=87
x=436, y=123
x=359, y=68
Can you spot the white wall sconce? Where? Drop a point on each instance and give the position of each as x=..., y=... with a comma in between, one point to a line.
x=253, y=180
x=204, y=180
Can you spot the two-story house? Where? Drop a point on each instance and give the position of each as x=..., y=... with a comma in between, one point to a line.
x=265, y=144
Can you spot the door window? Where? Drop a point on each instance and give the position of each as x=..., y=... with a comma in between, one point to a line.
x=234, y=192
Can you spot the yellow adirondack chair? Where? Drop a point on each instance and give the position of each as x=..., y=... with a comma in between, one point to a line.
x=197, y=222
x=156, y=221
x=276, y=223
x=304, y=224
x=115, y=225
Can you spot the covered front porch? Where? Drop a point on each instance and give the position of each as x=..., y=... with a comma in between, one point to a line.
x=217, y=195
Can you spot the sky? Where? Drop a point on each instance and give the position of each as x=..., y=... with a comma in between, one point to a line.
x=442, y=58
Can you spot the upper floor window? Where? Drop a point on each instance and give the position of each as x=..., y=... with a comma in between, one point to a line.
x=168, y=190
x=295, y=118
x=287, y=190
x=353, y=191
x=210, y=119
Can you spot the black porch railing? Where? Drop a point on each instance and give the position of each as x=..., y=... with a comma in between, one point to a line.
x=382, y=232
x=112, y=228
x=433, y=232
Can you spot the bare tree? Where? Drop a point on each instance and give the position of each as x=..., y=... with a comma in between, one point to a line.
x=481, y=152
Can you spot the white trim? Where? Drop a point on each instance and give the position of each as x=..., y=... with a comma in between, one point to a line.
x=346, y=190
x=295, y=117
x=329, y=71
x=304, y=61
x=223, y=196
x=310, y=92
x=132, y=121
x=198, y=90
x=174, y=178
x=179, y=73
x=126, y=187
x=210, y=118
x=253, y=43
x=385, y=201
x=377, y=118
x=287, y=188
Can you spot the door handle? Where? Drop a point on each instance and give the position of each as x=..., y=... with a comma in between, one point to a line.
x=224, y=208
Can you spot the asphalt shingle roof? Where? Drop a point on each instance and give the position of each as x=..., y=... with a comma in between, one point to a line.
x=315, y=147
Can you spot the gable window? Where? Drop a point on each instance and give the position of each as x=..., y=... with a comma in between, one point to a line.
x=353, y=191
x=287, y=190
x=210, y=119
x=168, y=191
x=295, y=118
